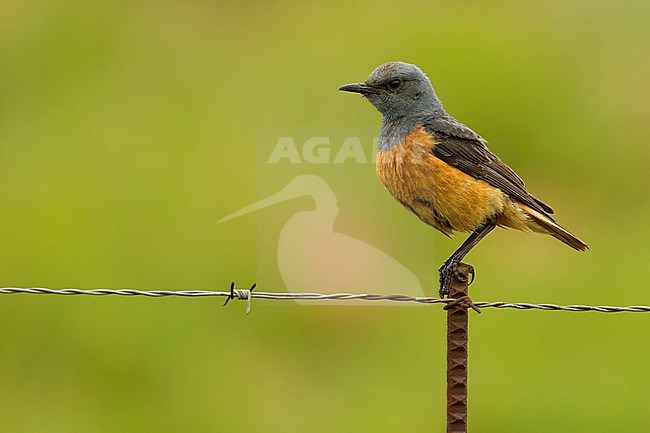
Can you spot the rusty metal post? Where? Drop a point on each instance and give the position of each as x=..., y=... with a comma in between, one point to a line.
x=457, y=352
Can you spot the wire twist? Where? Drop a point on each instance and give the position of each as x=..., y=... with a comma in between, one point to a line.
x=241, y=294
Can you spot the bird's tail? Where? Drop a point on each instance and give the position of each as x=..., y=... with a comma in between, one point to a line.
x=554, y=229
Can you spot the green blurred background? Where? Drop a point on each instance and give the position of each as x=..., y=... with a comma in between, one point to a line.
x=128, y=128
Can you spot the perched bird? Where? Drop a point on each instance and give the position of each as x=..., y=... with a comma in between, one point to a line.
x=442, y=171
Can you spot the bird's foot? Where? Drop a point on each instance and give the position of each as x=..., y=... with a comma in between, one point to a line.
x=448, y=270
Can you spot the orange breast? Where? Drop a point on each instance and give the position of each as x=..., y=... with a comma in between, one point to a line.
x=439, y=194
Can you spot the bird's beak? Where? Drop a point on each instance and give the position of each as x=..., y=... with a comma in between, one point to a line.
x=362, y=88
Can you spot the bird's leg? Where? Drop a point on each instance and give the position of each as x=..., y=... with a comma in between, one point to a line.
x=450, y=266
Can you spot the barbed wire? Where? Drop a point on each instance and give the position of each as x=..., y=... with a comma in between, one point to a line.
x=248, y=294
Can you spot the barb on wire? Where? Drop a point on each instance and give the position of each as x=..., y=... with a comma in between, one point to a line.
x=248, y=294
x=241, y=294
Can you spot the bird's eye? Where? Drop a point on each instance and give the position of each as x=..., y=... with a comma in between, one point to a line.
x=394, y=84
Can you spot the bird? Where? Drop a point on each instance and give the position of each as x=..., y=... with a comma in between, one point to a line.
x=442, y=171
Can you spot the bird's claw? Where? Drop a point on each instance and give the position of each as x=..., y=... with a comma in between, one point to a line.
x=447, y=269
x=450, y=268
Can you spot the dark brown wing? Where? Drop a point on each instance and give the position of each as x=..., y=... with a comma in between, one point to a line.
x=462, y=148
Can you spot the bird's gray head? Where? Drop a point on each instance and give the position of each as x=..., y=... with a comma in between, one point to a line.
x=398, y=89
